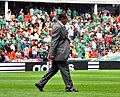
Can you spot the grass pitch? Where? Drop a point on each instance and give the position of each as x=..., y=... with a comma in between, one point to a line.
x=102, y=83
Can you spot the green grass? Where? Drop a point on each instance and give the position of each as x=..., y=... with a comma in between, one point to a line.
x=102, y=83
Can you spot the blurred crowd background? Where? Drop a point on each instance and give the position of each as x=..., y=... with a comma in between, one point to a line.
x=26, y=34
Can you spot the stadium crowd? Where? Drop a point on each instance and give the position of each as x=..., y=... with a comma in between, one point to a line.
x=28, y=36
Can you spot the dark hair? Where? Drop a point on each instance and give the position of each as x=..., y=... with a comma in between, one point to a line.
x=62, y=15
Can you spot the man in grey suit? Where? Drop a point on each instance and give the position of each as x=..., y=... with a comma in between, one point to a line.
x=59, y=53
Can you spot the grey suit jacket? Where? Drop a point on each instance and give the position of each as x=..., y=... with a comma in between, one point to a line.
x=60, y=44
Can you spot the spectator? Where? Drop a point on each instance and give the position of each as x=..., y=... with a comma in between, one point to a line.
x=20, y=17
x=2, y=57
x=8, y=16
x=18, y=54
x=34, y=51
x=28, y=17
x=12, y=54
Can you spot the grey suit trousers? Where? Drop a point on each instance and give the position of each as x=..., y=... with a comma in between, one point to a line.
x=64, y=69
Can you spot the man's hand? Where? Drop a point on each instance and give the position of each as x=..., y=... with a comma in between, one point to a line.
x=50, y=58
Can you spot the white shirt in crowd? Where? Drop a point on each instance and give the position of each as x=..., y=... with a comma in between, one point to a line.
x=34, y=17
x=8, y=36
x=94, y=45
x=36, y=36
x=87, y=49
x=47, y=39
x=70, y=31
x=12, y=47
x=26, y=51
x=107, y=28
x=34, y=50
x=8, y=16
x=99, y=35
x=31, y=11
x=26, y=34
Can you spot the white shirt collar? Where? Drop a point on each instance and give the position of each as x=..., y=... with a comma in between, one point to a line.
x=60, y=23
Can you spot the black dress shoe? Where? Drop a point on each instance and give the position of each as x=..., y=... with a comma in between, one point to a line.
x=73, y=90
x=39, y=87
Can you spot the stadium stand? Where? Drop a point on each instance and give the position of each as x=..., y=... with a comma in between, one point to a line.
x=26, y=32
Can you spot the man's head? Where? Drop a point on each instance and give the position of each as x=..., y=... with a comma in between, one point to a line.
x=63, y=17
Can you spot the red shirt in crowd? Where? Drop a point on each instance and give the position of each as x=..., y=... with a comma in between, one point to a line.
x=28, y=17
x=13, y=55
x=118, y=19
x=92, y=54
